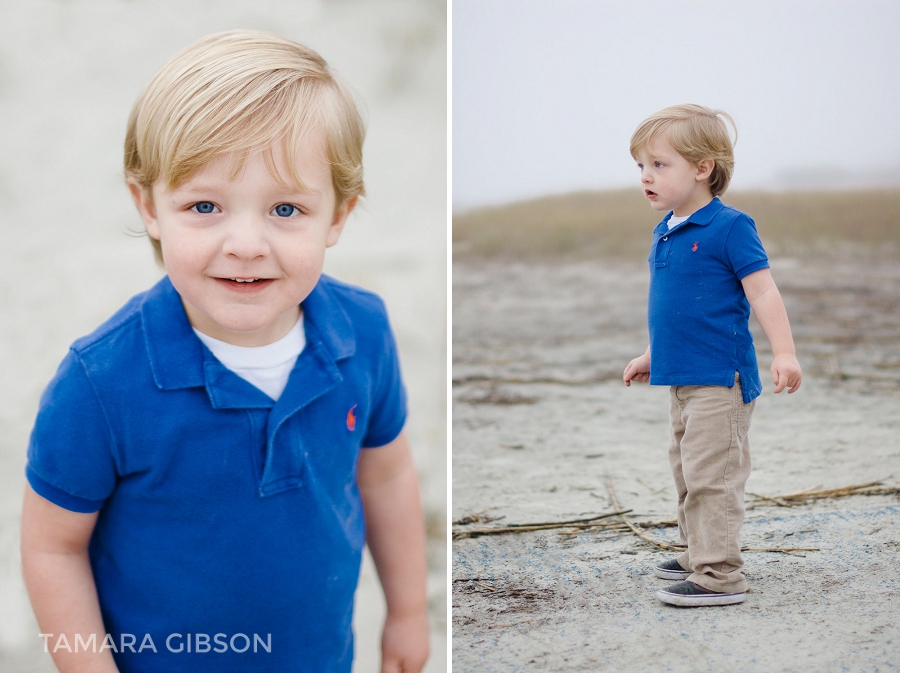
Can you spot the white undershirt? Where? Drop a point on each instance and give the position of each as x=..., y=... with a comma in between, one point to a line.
x=675, y=221
x=266, y=367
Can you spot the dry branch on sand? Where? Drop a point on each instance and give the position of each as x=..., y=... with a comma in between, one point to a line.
x=617, y=521
x=632, y=527
x=680, y=548
x=808, y=494
x=577, y=524
x=624, y=524
x=480, y=585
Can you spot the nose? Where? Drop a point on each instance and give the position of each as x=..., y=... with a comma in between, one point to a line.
x=645, y=174
x=246, y=238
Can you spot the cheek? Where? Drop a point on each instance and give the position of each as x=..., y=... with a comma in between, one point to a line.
x=309, y=262
x=182, y=257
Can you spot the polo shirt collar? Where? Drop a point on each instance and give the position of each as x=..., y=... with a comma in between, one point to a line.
x=702, y=217
x=179, y=360
x=332, y=325
x=176, y=354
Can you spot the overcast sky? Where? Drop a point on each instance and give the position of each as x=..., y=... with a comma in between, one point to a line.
x=546, y=94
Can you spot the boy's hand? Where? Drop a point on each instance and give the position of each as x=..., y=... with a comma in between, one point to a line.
x=638, y=370
x=404, y=643
x=786, y=373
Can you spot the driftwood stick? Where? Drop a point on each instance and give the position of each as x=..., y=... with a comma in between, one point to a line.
x=800, y=497
x=567, y=521
x=782, y=550
x=592, y=522
x=678, y=548
x=831, y=491
x=655, y=490
x=800, y=492
x=771, y=498
x=634, y=529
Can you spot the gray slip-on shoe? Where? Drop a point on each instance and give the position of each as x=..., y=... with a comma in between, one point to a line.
x=690, y=595
x=670, y=570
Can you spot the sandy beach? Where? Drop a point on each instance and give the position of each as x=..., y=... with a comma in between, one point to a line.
x=69, y=73
x=542, y=426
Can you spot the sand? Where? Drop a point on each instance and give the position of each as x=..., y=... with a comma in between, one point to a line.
x=541, y=420
x=69, y=73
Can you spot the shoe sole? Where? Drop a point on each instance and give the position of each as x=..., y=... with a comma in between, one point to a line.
x=671, y=574
x=699, y=601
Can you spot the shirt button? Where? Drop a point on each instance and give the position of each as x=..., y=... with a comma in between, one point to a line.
x=665, y=238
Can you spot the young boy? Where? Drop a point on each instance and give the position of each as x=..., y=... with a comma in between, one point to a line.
x=206, y=467
x=707, y=270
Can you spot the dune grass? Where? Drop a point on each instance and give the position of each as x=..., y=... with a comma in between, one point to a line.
x=618, y=223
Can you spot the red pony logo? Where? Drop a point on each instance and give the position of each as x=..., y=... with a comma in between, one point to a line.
x=695, y=246
x=351, y=419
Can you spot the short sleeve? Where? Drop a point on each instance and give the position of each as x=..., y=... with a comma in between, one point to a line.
x=743, y=249
x=389, y=397
x=70, y=454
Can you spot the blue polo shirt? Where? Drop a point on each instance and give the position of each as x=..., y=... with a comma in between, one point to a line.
x=231, y=528
x=697, y=311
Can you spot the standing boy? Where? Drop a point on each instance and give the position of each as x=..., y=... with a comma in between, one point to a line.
x=708, y=269
x=207, y=466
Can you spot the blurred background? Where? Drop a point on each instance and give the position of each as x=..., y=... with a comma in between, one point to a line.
x=72, y=254
x=547, y=95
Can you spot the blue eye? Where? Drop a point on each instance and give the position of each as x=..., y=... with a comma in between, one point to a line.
x=204, y=207
x=285, y=210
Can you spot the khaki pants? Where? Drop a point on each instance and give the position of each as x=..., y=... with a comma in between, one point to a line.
x=710, y=458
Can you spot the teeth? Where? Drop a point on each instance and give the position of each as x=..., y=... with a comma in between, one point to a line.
x=245, y=280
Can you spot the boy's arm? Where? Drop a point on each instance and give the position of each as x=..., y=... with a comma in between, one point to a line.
x=638, y=369
x=396, y=537
x=768, y=307
x=60, y=584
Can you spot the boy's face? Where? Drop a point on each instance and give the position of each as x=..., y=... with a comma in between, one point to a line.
x=243, y=251
x=670, y=181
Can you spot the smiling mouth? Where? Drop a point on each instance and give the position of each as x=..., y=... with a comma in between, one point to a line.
x=245, y=284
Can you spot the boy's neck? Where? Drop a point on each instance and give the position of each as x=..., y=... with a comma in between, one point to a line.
x=701, y=199
x=274, y=331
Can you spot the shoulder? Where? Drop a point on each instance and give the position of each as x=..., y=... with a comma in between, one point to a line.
x=737, y=226
x=361, y=306
x=741, y=244
x=732, y=227
x=78, y=393
x=127, y=319
x=351, y=294
x=122, y=342
x=348, y=318
x=730, y=216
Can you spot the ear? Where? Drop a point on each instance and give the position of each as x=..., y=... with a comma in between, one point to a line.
x=704, y=169
x=143, y=199
x=340, y=217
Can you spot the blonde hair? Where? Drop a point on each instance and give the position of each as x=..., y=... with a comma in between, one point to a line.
x=696, y=133
x=239, y=92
